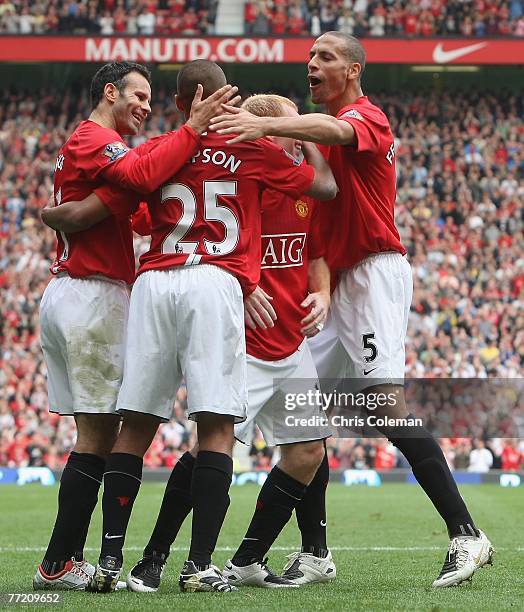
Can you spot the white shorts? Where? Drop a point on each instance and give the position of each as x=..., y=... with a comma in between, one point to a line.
x=83, y=332
x=365, y=332
x=186, y=323
x=272, y=390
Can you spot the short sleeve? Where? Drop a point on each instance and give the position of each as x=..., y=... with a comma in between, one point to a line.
x=366, y=129
x=119, y=201
x=282, y=172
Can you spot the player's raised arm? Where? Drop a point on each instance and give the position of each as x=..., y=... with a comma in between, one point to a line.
x=200, y=115
x=324, y=186
x=281, y=171
x=315, y=127
x=145, y=173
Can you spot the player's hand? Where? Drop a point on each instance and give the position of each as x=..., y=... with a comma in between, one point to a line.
x=314, y=321
x=237, y=121
x=258, y=311
x=203, y=110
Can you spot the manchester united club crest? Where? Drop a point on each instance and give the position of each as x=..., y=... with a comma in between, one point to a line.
x=301, y=208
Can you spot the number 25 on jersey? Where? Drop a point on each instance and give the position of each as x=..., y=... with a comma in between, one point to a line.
x=213, y=213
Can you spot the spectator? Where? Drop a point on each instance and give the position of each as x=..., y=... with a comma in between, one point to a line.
x=146, y=23
x=480, y=458
x=261, y=21
x=512, y=459
x=346, y=22
x=106, y=23
x=385, y=454
x=377, y=22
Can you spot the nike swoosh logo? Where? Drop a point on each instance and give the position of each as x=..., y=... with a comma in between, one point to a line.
x=366, y=372
x=110, y=537
x=444, y=57
x=323, y=523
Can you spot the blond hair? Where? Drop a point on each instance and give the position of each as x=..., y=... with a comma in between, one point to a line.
x=267, y=105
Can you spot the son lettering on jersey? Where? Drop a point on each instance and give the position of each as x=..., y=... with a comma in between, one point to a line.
x=219, y=158
x=282, y=250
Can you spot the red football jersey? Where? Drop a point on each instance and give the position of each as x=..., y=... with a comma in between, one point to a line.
x=91, y=156
x=511, y=459
x=361, y=219
x=107, y=247
x=290, y=238
x=209, y=213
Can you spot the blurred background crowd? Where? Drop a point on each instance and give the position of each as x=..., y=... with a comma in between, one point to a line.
x=385, y=18
x=422, y=18
x=460, y=164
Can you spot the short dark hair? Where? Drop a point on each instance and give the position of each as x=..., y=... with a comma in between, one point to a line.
x=116, y=73
x=207, y=73
x=353, y=49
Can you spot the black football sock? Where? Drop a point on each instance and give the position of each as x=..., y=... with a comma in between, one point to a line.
x=79, y=548
x=277, y=499
x=212, y=475
x=79, y=486
x=433, y=474
x=176, y=505
x=122, y=480
x=311, y=513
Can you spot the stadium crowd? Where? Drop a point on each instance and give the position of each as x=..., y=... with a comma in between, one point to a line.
x=423, y=18
x=460, y=163
x=385, y=18
x=108, y=17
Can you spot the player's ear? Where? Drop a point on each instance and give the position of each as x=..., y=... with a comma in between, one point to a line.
x=179, y=103
x=354, y=70
x=111, y=92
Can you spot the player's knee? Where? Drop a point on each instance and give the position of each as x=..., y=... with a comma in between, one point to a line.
x=96, y=433
x=304, y=457
x=137, y=433
x=215, y=433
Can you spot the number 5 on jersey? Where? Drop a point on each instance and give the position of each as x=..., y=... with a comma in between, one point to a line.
x=213, y=212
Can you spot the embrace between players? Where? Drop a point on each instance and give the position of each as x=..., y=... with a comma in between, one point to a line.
x=234, y=234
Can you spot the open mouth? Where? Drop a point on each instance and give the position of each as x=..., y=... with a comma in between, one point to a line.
x=314, y=81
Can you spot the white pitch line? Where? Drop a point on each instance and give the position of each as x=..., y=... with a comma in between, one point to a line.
x=16, y=549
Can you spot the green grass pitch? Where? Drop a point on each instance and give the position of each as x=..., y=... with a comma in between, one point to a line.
x=388, y=544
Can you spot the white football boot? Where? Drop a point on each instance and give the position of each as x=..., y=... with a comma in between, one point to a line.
x=305, y=568
x=256, y=574
x=466, y=554
x=73, y=577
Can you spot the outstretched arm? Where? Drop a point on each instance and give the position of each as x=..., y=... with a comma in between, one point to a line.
x=315, y=127
x=145, y=173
